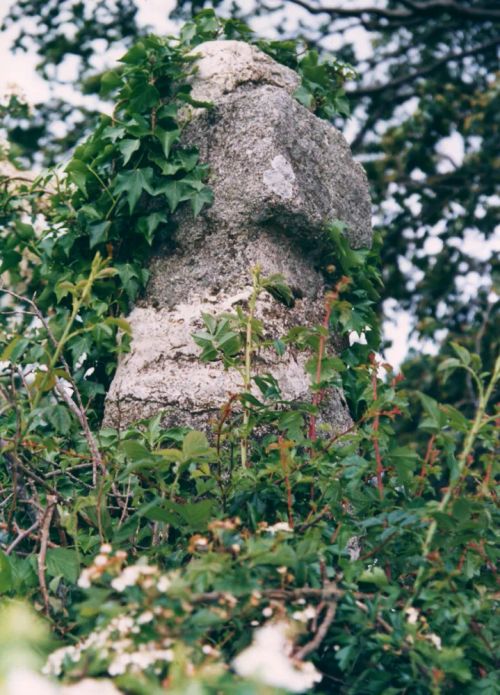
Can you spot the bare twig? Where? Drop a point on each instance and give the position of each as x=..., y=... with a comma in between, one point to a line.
x=424, y=9
x=320, y=633
x=21, y=536
x=424, y=71
x=45, y=530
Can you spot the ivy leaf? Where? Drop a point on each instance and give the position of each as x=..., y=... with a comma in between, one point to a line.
x=113, y=133
x=135, y=55
x=167, y=138
x=148, y=225
x=98, y=233
x=304, y=97
x=143, y=96
x=200, y=199
x=174, y=191
x=127, y=147
x=133, y=183
x=78, y=173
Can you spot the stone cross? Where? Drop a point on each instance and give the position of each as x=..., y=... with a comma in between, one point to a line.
x=278, y=174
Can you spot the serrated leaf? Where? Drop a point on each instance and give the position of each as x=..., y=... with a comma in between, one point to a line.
x=63, y=562
x=195, y=444
x=59, y=418
x=134, y=450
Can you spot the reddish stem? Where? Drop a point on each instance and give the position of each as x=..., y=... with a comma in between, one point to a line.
x=283, y=446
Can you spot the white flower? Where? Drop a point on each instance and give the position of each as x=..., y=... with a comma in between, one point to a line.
x=84, y=579
x=4, y=146
x=268, y=659
x=105, y=549
x=130, y=576
x=145, y=617
x=280, y=527
x=304, y=616
x=435, y=639
x=163, y=583
x=100, y=560
x=267, y=612
x=412, y=614
x=91, y=686
x=81, y=360
x=54, y=664
x=5, y=365
x=40, y=225
x=137, y=661
x=23, y=680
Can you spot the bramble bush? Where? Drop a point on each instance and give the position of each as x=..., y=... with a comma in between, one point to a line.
x=174, y=560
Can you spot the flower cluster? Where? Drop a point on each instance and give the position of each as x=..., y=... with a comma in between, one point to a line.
x=269, y=659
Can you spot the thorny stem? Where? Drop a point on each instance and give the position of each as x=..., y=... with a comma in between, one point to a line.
x=283, y=447
x=316, y=400
x=247, y=371
x=462, y=462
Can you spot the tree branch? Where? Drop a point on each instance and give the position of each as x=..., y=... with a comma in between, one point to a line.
x=429, y=9
x=424, y=71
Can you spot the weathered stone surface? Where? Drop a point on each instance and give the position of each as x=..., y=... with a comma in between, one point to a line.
x=278, y=174
x=224, y=66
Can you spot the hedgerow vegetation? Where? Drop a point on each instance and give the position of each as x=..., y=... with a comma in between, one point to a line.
x=299, y=560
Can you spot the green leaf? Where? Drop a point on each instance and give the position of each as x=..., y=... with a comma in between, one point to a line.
x=174, y=191
x=127, y=147
x=462, y=353
x=196, y=514
x=98, y=233
x=404, y=461
x=431, y=407
x=135, y=451
x=167, y=138
x=376, y=576
x=200, y=199
x=135, y=54
x=63, y=562
x=6, y=583
x=195, y=444
x=304, y=97
x=110, y=80
x=121, y=323
x=133, y=183
x=59, y=418
x=79, y=174
x=148, y=225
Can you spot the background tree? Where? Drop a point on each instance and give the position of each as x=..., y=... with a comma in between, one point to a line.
x=425, y=126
